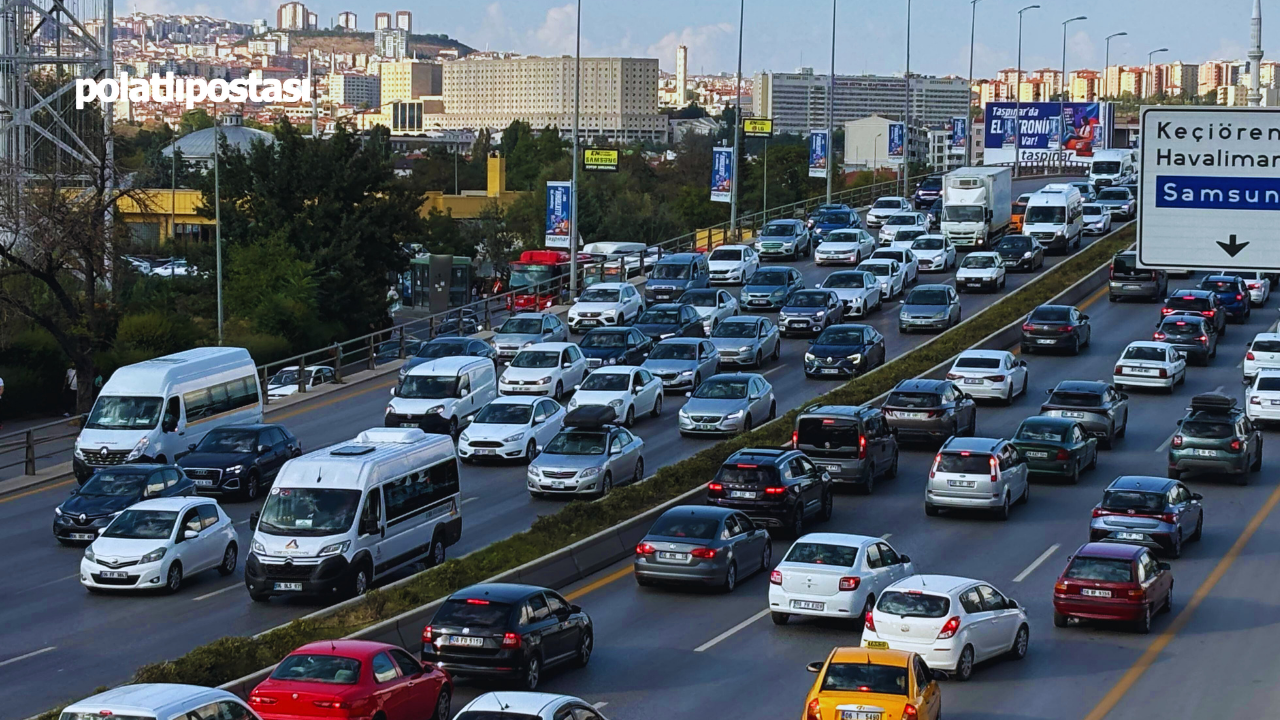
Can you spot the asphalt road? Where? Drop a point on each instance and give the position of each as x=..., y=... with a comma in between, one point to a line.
x=60, y=642
x=672, y=653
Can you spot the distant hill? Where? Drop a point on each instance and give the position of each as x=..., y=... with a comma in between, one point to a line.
x=362, y=42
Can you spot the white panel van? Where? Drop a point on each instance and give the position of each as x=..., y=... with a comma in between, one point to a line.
x=1055, y=217
x=442, y=395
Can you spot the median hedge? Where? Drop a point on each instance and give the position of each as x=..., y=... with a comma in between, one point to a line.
x=233, y=657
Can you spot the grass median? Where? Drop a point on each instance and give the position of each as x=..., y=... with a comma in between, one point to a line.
x=234, y=657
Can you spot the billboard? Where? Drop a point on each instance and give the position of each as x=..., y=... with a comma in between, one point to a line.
x=559, y=211
x=721, y=174
x=897, y=139
x=757, y=127
x=959, y=131
x=819, y=152
x=1088, y=129
x=600, y=159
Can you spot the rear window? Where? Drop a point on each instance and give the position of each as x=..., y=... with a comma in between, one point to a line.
x=1221, y=286
x=318, y=668
x=913, y=604
x=1040, y=431
x=1100, y=569
x=1075, y=399
x=1187, y=302
x=1269, y=383
x=864, y=677
x=822, y=554
x=1050, y=314
x=1208, y=429
x=828, y=433
x=1144, y=352
x=745, y=474
x=683, y=525
x=472, y=613
x=913, y=400
x=1127, y=265
x=982, y=363
x=1266, y=346
x=1125, y=500
x=967, y=463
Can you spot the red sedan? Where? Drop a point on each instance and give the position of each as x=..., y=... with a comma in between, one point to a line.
x=353, y=679
x=1111, y=581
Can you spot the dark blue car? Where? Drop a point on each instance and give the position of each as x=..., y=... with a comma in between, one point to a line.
x=1232, y=293
x=824, y=221
x=929, y=190
x=843, y=351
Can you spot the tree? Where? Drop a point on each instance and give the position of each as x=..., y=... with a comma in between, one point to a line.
x=164, y=171
x=193, y=120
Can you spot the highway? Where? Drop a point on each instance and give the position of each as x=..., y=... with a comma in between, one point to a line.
x=675, y=653
x=61, y=643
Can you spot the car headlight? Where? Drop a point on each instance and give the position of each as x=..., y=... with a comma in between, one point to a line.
x=940, y=314
x=463, y=437
x=777, y=293
x=335, y=549
x=733, y=415
x=544, y=381
x=902, y=315
x=391, y=410
x=856, y=300
x=610, y=312
x=856, y=357
x=88, y=554
x=439, y=409
x=153, y=556
x=1059, y=234
x=686, y=373
x=1026, y=255
x=683, y=414
x=234, y=469
x=57, y=511
x=615, y=403
x=745, y=348
x=258, y=548
x=514, y=438
x=588, y=472
x=820, y=313
x=528, y=344
x=534, y=472
x=613, y=361
x=742, y=296
x=783, y=314
x=137, y=450
x=808, y=357
x=78, y=452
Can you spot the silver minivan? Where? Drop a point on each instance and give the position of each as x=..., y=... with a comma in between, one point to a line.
x=978, y=474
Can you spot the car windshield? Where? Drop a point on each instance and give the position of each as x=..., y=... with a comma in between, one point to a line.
x=681, y=524
x=844, y=280
x=842, y=336
x=288, y=376
x=1050, y=315
x=113, y=412
x=978, y=262
x=606, y=381
x=1220, y=286
x=1100, y=569
x=578, y=442
x=330, y=669
x=1045, y=214
x=781, y=230
x=1021, y=203
x=1144, y=353
x=729, y=329
x=913, y=604
x=142, y=525
x=700, y=298
x=878, y=269
x=504, y=414
x=768, y=277
x=428, y=387
x=1114, y=194
x=912, y=400
x=1093, y=211
x=1106, y=167
x=714, y=389
x=886, y=204
x=1208, y=429
x=521, y=326
x=839, y=217
x=1041, y=431
x=902, y=220
x=933, y=183
x=115, y=483
x=846, y=236
x=669, y=271
x=822, y=554
x=674, y=351
x=1014, y=242
x=228, y=440
x=1075, y=399
x=1126, y=500
x=963, y=213
x=926, y=297
x=536, y=359
x=927, y=243
x=865, y=677
x=660, y=316
x=603, y=340
x=599, y=295
x=472, y=613
x=726, y=254
x=982, y=363
x=807, y=300
x=309, y=512
x=964, y=462
x=435, y=350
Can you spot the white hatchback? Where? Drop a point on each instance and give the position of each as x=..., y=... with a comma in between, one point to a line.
x=154, y=544
x=628, y=390
x=1263, y=352
x=934, y=253
x=990, y=374
x=981, y=271
x=1149, y=364
x=834, y=575
x=511, y=427
x=889, y=274
x=544, y=369
x=951, y=622
x=903, y=221
x=905, y=257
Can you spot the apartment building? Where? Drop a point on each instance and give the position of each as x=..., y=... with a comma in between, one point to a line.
x=355, y=90
x=347, y=21
x=1085, y=85
x=797, y=101
x=409, y=80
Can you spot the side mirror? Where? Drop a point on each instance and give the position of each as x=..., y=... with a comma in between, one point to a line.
x=814, y=667
x=688, y=394
x=538, y=448
x=577, y=387
x=464, y=393
x=566, y=366
x=254, y=517
x=1013, y=604
x=393, y=392
x=191, y=446
x=190, y=534
x=262, y=449
x=547, y=331
x=1048, y=392
x=575, y=608
x=615, y=451
x=1197, y=496
x=1123, y=396
x=1084, y=317
x=904, y=559
x=1164, y=567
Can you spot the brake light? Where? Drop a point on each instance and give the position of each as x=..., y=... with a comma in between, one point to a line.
x=477, y=601
x=909, y=711
x=1164, y=373
x=645, y=549
x=870, y=622
x=1137, y=593
x=1208, y=313
x=1188, y=297
x=1099, y=512
x=1249, y=356
x=704, y=553
x=1060, y=587
x=1119, y=370
x=1066, y=328
x=1239, y=296
x=261, y=700
x=1177, y=441
x=1169, y=518
x=933, y=469
x=994, y=475
x=813, y=713
x=1203, y=339
x=1028, y=327
x=795, y=439
x=335, y=704
x=849, y=584
x=953, y=376
x=775, y=577
x=715, y=487
x=1062, y=455
x=862, y=447
x=950, y=629
x=1236, y=445
x=747, y=467
x=427, y=635
x=1255, y=400
x=774, y=490
x=511, y=640
x=1166, y=311
x=996, y=378
x=1254, y=286
x=1158, y=336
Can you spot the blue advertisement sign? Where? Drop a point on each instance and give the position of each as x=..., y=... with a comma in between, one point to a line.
x=819, y=153
x=897, y=139
x=559, y=211
x=1088, y=127
x=959, y=131
x=721, y=174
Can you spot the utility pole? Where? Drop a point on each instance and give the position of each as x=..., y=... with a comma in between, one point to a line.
x=573, y=205
x=906, y=116
x=968, y=142
x=1017, y=98
x=831, y=107
x=217, y=215
x=737, y=131
x=1062, y=98
x=1107, y=63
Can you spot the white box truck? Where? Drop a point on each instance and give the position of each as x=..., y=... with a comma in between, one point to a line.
x=976, y=205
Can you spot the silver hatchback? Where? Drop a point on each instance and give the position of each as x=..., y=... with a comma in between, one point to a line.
x=746, y=341
x=525, y=329
x=976, y=474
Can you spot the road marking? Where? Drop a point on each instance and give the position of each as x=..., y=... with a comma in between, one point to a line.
x=51, y=582
x=467, y=500
x=308, y=407
x=1180, y=621
x=727, y=633
x=1037, y=562
x=886, y=536
x=32, y=654
x=1093, y=298
x=616, y=575
x=598, y=705
x=34, y=491
x=206, y=596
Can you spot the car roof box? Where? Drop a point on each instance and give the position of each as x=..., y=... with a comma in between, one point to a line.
x=1213, y=402
x=591, y=416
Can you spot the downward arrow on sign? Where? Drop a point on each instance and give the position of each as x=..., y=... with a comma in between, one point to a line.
x=1233, y=248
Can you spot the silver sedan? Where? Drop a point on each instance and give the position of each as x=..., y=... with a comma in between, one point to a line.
x=728, y=404
x=747, y=341
x=683, y=362
x=702, y=545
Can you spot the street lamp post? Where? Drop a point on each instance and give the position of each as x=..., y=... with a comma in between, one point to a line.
x=968, y=142
x=1107, y=63
x=217, y=216
x=875, y=158
x=1151, y=69
x=573, y=206
x=1062, y=97
x=831, y=107
x=1017, y=99
x=737, y=131
x=906, y=115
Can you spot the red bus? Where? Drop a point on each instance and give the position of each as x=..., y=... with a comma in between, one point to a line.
x=537, y=268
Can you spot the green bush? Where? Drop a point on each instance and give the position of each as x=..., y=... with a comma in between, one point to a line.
x=156, y=333
x=234, y=657
x=33, y=368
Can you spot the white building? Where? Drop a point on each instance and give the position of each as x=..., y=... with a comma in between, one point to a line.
x=942, y=155
x=354, y=89
x=866, y=144
x=797, y=101
x=347, y=21
x=391, y=43
x=682, y=74
x=404, y=21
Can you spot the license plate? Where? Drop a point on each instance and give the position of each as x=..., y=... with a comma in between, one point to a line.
x=974, y=284
x=1090, y=592
x=204, y=483
x=83, y=536
x=466, y=641
x=1132, y=287
x=834, y=371
x=962, y=483
x=677, y=556
x=1073, y=414
x=1275, y=402
x=704, y=426
x=877, y=644
x=485, y=452
x=830, y=468
x=404, y=425
x=858, y=715
x=1140, y=371
x=1044, y=342
x=1130, y=536
x=1206, y=453
x=758, y=302
x=807, y=605
x=586, y=323
x=915, y=415
x=972, y=381
x=114, y=574
x=1037, y=454
x=742, y=495
x=557, y=484
x=294, y=587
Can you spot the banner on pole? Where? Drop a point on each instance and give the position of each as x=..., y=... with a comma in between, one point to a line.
x=559, y=211
x=721, y=174
x=897, y=139
x=959, y=131
x=819, y=152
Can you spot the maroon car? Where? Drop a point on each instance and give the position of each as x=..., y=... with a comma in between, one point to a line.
x=1110, y=581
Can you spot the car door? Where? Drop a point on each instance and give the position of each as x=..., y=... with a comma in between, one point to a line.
x=552, y=415
x=190, y=552
x=1177, y=363
x=835, y=309
x=559, y=634
x=278, y=451
x=650, y=389
x=1192, y=510
x=754, y=539
x=621, y=470
x=811, y=486
x=978, y=619
x=1005, y=618
x=578, y=371
x=769, y=336
x=212, y=540
x=879, y=575
x=1158, y=579
x=391, y=689
x=708, y=359
x=419, y=688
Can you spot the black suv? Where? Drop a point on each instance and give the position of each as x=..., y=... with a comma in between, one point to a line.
x=108, y=492
x=1204, y=302
x=775, y=488
x=507, y=631
x=924, y=409
x=239, y=459
x=852, y=443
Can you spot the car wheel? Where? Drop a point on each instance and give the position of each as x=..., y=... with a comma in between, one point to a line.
x=1175, y=551
x=359, y=584
x=867, y=483
x=1143, y=626
x=630, y=418
x=252, y=487
x=531, y=673
x=229, y=560
x=1059, y=620
x=797, y=522
x=531, y=450
x=1174, y=474
x=453, y=428
x=828, y=506
x=1075, y=347
x=259, y=597
x=766, y=557
x=1003, y=512
x=1008, y=398
x=173, y=580
x=773, y=411
x=1074, y=477
x=930, y=509
x=746, y=423
x=657, y=406
x=730, y=578
x=779, y=618
x=1020, y=643
x=1257, y=460
x=585, y=646
x=893, y=467
x=867, y=607
x=1168, y=601
x=606, y=484
x=759, y=360
x=444, y=704
x=964, y=668
x=1195, y=534
x=777, y=351
x=559, y=392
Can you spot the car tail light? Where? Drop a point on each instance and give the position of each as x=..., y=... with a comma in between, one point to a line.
x=1177, y=441
x=849, y=584
x=1060, y=587
x=1028, y=327
x=704, y=553
x=1066, y=328
x=1249, y=356
x=870, y=622
x=1119, y=370
x=775, y=577
x=995, y=475
x=1062, y=455
x=1204, y=339
x=795, y=439
x=862, y=447
x=1158, y=336
x=333, y=703
x=477, y=601
x=1137, y=593
x=1169, y=518
x=909, y=712
x=1164, y=373
x=774, y=490
x=428, y=635
x=1099, y=512
x=715, y=487
x=933, y=469
x=1254, y=286
x=1255, y=400
x=950, y=629
x=1208, y=313
x=1239, y=297
x=996, y=378
x=814, y=710
x=645, y=548
x=262, y=700
x=953, y=376
x=1236, y=445
x=511, y=640
x=1165, y=310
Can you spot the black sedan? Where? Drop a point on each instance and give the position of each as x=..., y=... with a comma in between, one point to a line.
x=615, y=346
x=239, y=460
x=1056, y=327
x=844, y=351
x=1021, y=253
x=666, y=320
x=109, y=492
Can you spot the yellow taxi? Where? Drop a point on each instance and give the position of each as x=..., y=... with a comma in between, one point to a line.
x=857, y=683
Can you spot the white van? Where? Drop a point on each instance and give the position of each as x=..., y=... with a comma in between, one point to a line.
x=1112, y=167
x=442, y=395
x=155, y=410
x=1055, y=217
x=159, y=701
x=339, y=519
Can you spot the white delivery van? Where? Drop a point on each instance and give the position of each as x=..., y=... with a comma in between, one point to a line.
x=1055, y=217
x=153, y=411
x=1112, y=167
x=338, y=520
x=442, y=395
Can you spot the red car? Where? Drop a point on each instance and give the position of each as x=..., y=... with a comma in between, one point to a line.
x=1110, y=581
x=353, y=679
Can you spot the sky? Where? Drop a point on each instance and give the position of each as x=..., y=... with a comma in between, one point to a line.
x=781, y=35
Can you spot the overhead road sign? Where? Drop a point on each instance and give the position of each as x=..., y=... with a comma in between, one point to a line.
x=757, y=127
x=600, y=159
x=1209, y=188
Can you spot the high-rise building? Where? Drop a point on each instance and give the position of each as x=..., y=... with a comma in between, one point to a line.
x=1011, y=76
x=1133, y=80
x=1184, y=79
x=313, y=21
x=391, y=43
x=409, y=80
x=404, y=21
x=1217, y=73
x=797, y=101
x=1085, y=85
x=381, y=21
x=355, y=89
x=292, y=16
x=1052, y=78
x=347, y=21
x=682, y=74
x=259, y=26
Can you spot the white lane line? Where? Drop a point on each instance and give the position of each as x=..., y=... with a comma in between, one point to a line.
x=598, y=705
x=32, y=654
x=467, y=500
x=1037, y=562
x=773, y=369
x=51, y=582
x=886, y=536
x=206, y=596
x=727, y=633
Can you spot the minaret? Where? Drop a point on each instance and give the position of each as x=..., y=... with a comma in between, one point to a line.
x=1255, y=55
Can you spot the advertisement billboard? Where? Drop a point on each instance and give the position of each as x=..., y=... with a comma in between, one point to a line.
x=600, y=159
x=757, y=127
x=897, y=139
x=559, y=210
x=959, y=131
x=819, y=152
x=1088, y=130
x=721, y=174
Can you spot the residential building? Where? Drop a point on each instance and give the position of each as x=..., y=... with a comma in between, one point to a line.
x=259, y=26
x=943, y=156
x=347, y=21
x=404, y=21
x=391, y=43
x=313, y=21
x=355, y=89
x=1133, y=80
x=292, y=16
x=1085, y=85
x=1011, y=76
x=1184, y=79
x=409, y=80
x=797, y=101
x=271, y=73
x=1216, y=73
x=1052, y=80
x=1035, y=90
x=381, y=21
x=866, y=144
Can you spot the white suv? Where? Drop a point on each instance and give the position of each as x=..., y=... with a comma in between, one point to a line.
x=544, y=369
x=605, y=304
x=834, y=575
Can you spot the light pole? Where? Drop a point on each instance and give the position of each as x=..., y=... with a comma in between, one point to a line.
x=968, y=144
x=906, y=115
x=1107, y=63
x=1151, y=69
x=737, y=131
x=1062, y=97
x=573, y=206
x=875, y=158
x=1017, y=100
x=217, y=215
x=831, y=107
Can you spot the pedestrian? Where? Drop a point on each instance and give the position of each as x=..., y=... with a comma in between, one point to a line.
x=70, y=387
